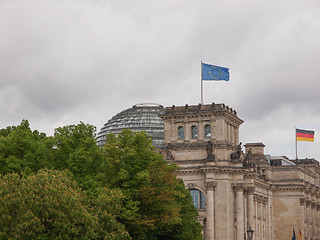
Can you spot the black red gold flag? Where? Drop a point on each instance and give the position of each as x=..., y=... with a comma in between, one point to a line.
x=305, y=135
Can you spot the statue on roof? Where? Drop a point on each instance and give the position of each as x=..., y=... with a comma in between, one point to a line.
x=237, y=154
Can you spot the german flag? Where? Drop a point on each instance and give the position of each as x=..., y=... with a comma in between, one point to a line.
x=304, y=135
x=300, y=234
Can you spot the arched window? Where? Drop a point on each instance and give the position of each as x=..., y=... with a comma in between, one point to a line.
x=198, y=198
x=207, y=131
x=194, y=132
x=180, y=132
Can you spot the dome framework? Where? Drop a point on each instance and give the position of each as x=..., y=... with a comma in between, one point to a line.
x=141, y=117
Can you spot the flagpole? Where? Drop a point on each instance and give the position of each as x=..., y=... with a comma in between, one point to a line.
x=296, y=145
x=201, y=85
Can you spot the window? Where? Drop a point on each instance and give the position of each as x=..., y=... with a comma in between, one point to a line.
x=207, y=131
x=180, y=132
x=194, y=132
x=198, y=198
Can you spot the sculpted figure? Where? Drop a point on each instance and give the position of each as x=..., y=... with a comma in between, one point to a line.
x=169, y=153
x=210, y=156
x=248, y=158
x=237, y=154
x=239, y=149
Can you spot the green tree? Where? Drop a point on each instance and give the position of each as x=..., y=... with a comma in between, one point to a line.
x=157, y=204
x=75, y=149
x=23, y=150
x=48, y=205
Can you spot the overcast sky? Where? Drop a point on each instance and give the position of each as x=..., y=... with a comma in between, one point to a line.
x=66, y=61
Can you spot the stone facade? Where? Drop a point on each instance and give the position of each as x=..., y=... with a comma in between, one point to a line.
x=235, y=189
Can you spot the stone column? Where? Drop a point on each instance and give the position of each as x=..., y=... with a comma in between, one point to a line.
x=209, y=234
x=313, y=219
x=308, y=222
x=318, y=218
x=270, y=211
x=250, y=191
x=255, y=203
x=239, y=210
x=303, y=215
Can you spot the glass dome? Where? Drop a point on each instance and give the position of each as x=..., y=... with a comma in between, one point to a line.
x=141, y=117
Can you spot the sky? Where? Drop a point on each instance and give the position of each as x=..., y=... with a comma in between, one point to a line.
x=66, y=61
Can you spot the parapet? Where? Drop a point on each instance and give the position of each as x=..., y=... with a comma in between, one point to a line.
x=201, y=110
x=305, y=161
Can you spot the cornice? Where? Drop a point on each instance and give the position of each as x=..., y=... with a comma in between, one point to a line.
x=211, y=169
x=189, y=171
x=299, y=168
x=195, y=162
x=250, y=175
x=223, y=170
x=288, y=187
x=262, y=184
x=199, y=144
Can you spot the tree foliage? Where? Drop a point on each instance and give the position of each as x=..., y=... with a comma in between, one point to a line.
x=142, y=190
x=23, y=150
x=156, y=200
x=75, y=149
x=48, y=205
x=72, y=148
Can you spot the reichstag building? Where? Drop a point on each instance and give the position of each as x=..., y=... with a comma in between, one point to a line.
x=238, y=190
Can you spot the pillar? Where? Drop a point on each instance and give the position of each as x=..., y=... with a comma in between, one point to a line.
x=250, y=191
x=209, y=233
x=313, y=219
x=318, y=218
x=239, y=211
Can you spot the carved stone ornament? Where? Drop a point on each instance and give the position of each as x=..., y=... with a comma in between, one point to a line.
x=250, y=190
x=302, y=201
x=210, y=185
x=255, y=197
x=169, y=153
x=238, y=187
x=201, y=220
x=264, y=200
x=247, y=159
x=237, y=154
x=260, y=199
x=308, y=203
x=210, y=156
x=190, y=185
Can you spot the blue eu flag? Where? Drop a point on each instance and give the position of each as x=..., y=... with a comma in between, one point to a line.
x=294, y=235
x=214, y=73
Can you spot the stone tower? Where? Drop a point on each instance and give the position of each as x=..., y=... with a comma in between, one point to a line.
x=204, y=141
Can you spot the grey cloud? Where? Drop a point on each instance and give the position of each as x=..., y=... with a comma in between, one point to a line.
x=66, y=61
